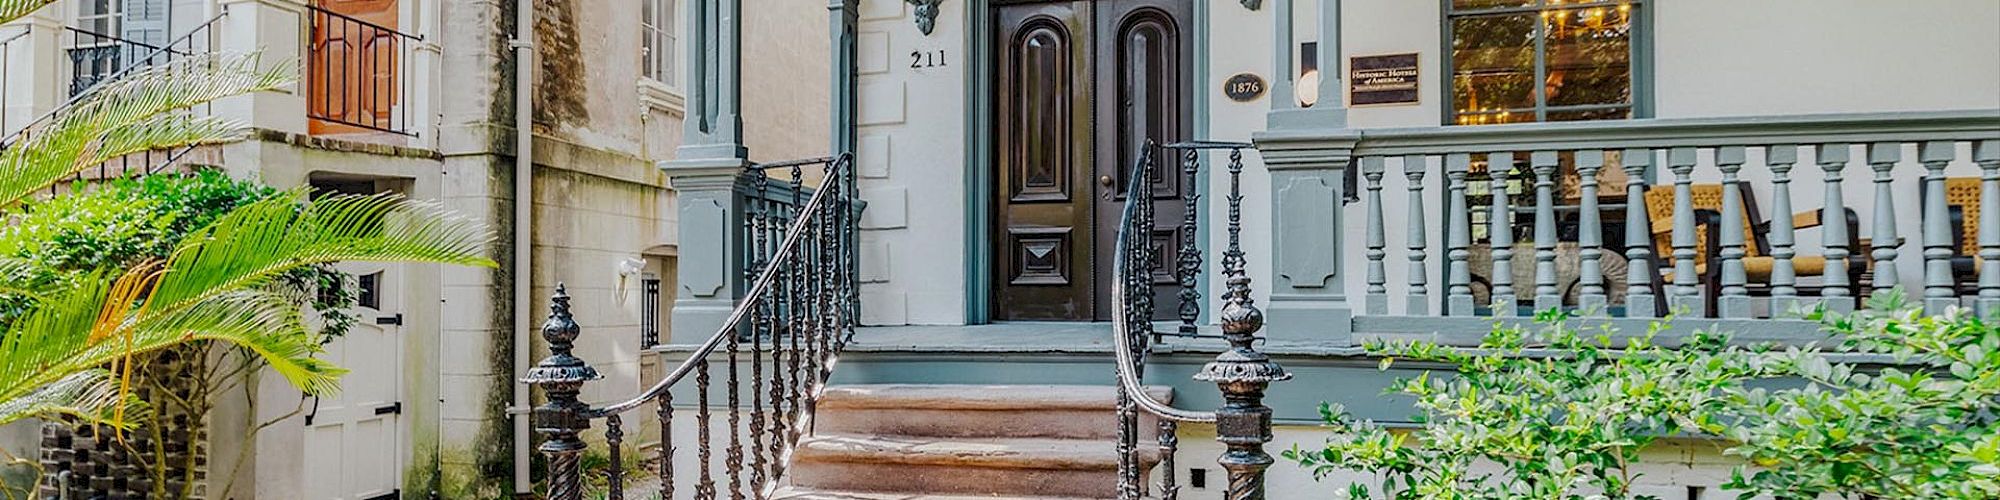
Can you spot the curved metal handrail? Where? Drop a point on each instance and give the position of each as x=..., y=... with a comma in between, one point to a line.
x=1128, y=377
x=793, y=235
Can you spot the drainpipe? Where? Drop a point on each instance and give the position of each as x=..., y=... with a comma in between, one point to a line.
x=524, y=219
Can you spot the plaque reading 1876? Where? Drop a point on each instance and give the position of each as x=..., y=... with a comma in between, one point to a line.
x=1243, y=87
x=1385, y=79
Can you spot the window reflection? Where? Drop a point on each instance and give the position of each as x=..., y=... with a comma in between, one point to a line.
x=1540, y=60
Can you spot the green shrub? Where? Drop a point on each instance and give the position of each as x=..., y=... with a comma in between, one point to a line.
x=1895, y=405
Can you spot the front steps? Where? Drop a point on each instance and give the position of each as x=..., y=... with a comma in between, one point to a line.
x=884, y=442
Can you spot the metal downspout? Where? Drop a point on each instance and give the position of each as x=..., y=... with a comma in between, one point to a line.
x=524, y=177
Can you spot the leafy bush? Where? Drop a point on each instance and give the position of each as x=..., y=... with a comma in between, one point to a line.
x=126, y=222
x=1923, y=426
x=1901, y=405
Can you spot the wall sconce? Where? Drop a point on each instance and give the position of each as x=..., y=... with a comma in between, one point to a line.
x=1253, y=4
x=1306, y=86
x=927, y=13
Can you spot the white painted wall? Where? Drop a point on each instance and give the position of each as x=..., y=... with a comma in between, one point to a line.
x=911, y=157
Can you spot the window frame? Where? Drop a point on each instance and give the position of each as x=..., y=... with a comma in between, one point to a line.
x=660, y=66
x=1641, y=58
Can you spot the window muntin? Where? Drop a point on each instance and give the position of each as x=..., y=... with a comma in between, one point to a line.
x=98, y=16
x=660, y=40
x=1541, y=60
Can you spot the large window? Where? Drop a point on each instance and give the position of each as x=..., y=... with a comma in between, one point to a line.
x=1542, y=60
x=660, y=45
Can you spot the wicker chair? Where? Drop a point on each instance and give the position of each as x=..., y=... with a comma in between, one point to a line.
x=1757, y=260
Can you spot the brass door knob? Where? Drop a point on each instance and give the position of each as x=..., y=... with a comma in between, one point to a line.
x=1104, y=180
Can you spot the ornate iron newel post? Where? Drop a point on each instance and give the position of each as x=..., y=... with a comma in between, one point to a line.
x=561, y=377
x=1244, y=423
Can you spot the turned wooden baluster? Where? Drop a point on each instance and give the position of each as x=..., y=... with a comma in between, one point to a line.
x=1377, y=300
x=1784, y=277
x=1590, y=234
x=1882, y=158
x=1544, y=165
x=1735, y=299
x=1987, y=155
x=1940, y=290
x=1500, y=219
x=1685, y=297
x=1419, y=296
x=1835, y=295
x=1458, y=272
x=1639, y=275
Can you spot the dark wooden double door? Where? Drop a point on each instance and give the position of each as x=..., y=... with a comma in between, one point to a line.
x=1081, y=86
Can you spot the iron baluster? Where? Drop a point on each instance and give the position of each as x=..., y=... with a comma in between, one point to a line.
x=563, y=416
x=1170, y=444
x=704, y=488
x=666, y=413
x=760, y=325
x=1190, y=251
x=614, y=440
x=798, y=318
x=733, y=461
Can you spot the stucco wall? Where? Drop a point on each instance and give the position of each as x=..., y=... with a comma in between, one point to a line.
x=911, y=157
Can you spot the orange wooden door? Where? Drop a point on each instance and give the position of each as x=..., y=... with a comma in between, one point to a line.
x=353, y=67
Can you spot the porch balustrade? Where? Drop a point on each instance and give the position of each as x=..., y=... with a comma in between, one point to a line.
x=1647, y=218
x=776, y=349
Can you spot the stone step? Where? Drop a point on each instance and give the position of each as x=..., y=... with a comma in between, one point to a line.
x=964, y=466
x=796, y=493
x=986, y=411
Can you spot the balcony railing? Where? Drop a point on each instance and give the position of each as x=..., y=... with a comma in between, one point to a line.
x=96, y=58
x=357, y=73
x=799, y=310
x=1710, y=218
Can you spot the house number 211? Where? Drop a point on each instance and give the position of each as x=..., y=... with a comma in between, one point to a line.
x=920, y=59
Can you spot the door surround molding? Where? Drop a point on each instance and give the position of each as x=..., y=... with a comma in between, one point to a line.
x=979, y=158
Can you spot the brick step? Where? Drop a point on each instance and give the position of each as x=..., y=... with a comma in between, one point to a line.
x=960, y=466
x=975, y=411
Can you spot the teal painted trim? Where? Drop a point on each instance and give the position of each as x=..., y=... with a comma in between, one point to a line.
x=1642, y=52
x=978, y=162
x=1204, y=98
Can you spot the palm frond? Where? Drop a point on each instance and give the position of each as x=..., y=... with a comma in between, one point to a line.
x=256, y=242
x=41, y=347
x=90, y=395
x=265, y=322
x=16, y=9
x=139, y=111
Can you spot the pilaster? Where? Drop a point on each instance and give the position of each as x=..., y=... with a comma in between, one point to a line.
x=33, y=70
x=711, y=248
x=1308, y=283
x=275, y=30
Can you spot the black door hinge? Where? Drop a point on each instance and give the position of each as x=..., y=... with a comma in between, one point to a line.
x=395, y=408
x=389, y=320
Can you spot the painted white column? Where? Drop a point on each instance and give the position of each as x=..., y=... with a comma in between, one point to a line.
x=34, y=74
x=275, y=29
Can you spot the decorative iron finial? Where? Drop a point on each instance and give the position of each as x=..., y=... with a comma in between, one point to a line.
x=563, y=416
x=927, y=13
x=1243, y=424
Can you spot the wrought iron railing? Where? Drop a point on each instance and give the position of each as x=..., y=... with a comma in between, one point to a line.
x=798, y=311
x=96, y=58
x=1243, y=424
x=357, y=73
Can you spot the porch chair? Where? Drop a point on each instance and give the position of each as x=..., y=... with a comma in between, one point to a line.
x=1757, y=260
x=1961, y=198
